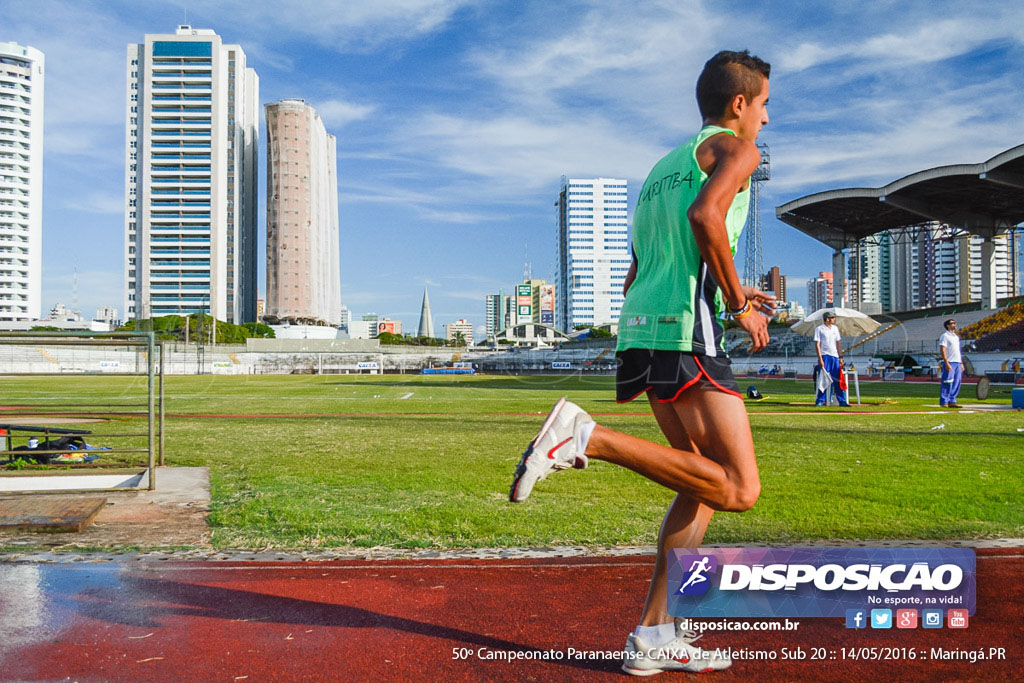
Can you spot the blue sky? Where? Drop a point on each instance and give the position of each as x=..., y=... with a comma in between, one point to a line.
x=455, y=120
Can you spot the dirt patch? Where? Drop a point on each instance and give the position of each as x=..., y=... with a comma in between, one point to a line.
x=43, y=420
x=173, y=515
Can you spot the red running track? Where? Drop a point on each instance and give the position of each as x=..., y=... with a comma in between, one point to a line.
x=402, y=620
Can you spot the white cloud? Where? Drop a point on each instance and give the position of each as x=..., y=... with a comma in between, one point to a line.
x=342, y=25
x=520, y=155
x=96, y=202
x=336, y=113
x=897, y=139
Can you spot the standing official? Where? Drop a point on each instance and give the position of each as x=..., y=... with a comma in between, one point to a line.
x=952, y=365
x=830, y=357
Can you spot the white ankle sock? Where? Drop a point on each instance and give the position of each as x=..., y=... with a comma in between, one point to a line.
x=656, y=635
x=583, y=436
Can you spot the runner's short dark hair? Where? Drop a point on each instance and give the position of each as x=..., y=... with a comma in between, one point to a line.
x=727, y=75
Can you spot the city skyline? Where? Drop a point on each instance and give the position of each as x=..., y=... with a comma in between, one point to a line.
x=455, y=121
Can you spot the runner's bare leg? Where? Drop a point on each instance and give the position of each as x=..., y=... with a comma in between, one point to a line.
x=684, y=524
x=718, y=469
x=701, y=420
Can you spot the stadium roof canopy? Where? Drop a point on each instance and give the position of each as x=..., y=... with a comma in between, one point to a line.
x=984, y=199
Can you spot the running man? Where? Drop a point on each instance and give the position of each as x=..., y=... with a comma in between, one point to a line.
x=687, y=222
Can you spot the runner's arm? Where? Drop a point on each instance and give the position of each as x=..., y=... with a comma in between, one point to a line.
x=630, y=276
x=734, y=161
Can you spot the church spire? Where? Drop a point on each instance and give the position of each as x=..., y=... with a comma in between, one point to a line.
x=426, y=322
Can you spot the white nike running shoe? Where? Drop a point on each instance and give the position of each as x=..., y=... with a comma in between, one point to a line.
x=679, y=654
x=554, y=448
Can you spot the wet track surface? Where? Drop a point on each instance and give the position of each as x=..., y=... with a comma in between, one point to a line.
x=410, y=619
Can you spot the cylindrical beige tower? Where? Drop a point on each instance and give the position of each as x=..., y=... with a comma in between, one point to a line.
x=303, y=278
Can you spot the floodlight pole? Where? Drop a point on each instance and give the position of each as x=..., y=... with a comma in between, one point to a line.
x=754, y=257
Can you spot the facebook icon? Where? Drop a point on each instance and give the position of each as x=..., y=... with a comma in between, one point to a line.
x=856, y=618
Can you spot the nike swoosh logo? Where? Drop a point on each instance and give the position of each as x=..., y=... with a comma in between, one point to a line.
x=551, y=453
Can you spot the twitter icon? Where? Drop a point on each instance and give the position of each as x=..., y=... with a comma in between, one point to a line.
x=881, y=618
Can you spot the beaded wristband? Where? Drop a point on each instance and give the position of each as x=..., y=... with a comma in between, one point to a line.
x=744, y=310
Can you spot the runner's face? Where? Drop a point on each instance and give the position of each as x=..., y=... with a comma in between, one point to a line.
x=754, y=116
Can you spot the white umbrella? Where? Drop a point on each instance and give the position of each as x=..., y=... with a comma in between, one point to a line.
x=851, y=323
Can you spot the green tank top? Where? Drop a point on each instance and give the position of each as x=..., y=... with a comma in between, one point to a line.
x=674, y=304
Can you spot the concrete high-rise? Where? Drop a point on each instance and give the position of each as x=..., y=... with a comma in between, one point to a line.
x=303, y=276
x=22, y=75
x=819, y=292
x=775, y=281
x=498, y=312
x=191, y=143
x=593, y=252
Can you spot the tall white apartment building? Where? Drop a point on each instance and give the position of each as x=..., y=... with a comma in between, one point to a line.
x=941, y=266
x=819, y=292
x=344, y=317
x=593, y=251
x=21, y=182
x=191, y=143
x=457, y=327
x=499, y=312
x=303, y=276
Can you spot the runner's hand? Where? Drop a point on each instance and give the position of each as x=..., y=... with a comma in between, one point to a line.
x=756, y=326
x=763, y=302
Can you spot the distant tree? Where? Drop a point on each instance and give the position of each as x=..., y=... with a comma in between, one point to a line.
x=260, y=330
x=172, y=328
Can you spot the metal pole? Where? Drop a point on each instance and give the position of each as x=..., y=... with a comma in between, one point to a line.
x=163, y=347
x=150, y=346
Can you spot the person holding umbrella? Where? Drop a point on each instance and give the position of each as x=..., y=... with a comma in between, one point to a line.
x=830, y=358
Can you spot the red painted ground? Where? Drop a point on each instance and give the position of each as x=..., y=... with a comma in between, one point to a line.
x=852, y=410
x=402, y=620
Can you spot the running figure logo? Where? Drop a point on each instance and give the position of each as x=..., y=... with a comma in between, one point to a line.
x=695, y=580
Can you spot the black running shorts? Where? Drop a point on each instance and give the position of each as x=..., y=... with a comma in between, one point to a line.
x=669, y=373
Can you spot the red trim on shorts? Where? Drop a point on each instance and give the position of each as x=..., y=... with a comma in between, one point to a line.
x=717, y=385
x=684, y=387
x=634, y=397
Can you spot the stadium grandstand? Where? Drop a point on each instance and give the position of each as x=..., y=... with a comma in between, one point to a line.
x=983, y=200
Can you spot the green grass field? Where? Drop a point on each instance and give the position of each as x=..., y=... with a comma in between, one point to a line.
x=432, y=469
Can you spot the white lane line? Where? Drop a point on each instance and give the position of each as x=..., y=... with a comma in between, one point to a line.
x=325, y=567
x=406, y=396
x=164, y=568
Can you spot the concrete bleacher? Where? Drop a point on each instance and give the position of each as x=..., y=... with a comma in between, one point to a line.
x=916, y=335
x=1009, y=338
x=1003, y=320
